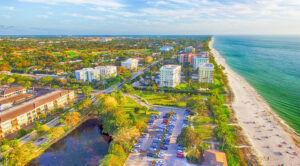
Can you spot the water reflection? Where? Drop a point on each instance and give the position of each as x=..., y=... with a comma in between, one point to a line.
x=86, y=145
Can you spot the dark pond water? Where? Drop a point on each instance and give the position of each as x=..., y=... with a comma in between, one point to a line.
x=86, y=145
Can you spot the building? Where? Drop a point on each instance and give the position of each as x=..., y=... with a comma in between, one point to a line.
x=214, y=158
x=130, y=64
x=186, y=58
x=107, y=71
x=90, y=74
x=166, y=48
x=8, y=102
x=189, y=49
x=11, y=91
x=199, y=60
x=16, y=117
x=86, y=74
x=170, y=76
x=206, y=73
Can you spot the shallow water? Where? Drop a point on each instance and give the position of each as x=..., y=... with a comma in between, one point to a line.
x=271, y=64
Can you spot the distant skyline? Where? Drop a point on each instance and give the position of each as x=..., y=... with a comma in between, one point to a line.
x=149, y=17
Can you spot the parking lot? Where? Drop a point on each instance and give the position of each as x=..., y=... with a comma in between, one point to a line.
x=158, y=142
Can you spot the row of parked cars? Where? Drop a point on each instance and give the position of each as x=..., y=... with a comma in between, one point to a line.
x=162, y=140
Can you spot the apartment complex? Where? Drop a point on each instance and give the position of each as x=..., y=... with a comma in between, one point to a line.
x=11, y=91
x=186, y=58
x=90, y=74
x=214, y=158
x=206, y=73
x=130, y=64
x=14, y=118
x=166, y=48
x=199, y=60
x=189, y=49
x=8, y=102
x=170, y=76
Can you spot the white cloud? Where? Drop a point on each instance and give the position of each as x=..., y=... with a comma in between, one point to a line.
x=104, y=3
x=11, y=8
x=84, y=16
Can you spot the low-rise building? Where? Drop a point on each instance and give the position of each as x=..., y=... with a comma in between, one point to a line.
x=199, y=60
x=170, y=75
x=166, y=48
x=14, y=118
x=189, y=49
x=11, y=91
x=206, y=73
x=10, y=101
x=130, y=64
x=90, y=74
x=214, y=158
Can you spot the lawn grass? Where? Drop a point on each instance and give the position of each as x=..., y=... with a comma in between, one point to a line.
x=203, y=126
x=129, y=106
x=162, y=99
x=72, y=54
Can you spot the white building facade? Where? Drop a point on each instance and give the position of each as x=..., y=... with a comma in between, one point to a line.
x=130, y=64
x=206, y=73
x=170, y=76
x=189, y=49
x=90, y=74
x=199, y=60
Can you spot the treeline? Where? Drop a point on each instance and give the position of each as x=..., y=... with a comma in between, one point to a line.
x=125, y=127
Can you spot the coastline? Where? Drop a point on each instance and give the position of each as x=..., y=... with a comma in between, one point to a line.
x=270, y=137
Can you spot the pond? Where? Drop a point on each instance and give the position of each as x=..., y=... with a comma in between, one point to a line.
x=86, y=145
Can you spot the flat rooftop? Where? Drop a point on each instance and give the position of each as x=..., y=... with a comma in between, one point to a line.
x=171, y=67
x=207, y=65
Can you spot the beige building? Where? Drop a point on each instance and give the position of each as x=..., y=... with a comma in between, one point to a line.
x=90, y=74
x=14, y=118
x=7, y=92
x=170, y=76
x=107, y=71
x=130, y=64
x=206, y=73
x=214, y=158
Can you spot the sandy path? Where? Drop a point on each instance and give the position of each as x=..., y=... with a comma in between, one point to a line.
x=271, y=142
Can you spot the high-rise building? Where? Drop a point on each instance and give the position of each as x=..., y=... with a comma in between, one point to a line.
x=189, y=49
x=186, y=58
x=130, y=64
x=199, y=60
x=90, y=74
x=206, y=73
x=170, y=75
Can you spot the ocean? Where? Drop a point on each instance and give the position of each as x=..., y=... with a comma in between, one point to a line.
x=271, y=64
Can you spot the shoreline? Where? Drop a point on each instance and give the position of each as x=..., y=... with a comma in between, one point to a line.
x=270, y=137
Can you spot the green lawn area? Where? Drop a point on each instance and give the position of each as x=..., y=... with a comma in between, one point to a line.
x=166, y=99
x=72, y=54
x=203, y=127
x=182, y=86
x=129, y=106
x=56, y=53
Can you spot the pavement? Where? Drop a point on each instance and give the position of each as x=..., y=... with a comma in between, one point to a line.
x=170, y=159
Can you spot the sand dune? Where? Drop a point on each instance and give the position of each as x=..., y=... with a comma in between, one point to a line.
x=270, y=138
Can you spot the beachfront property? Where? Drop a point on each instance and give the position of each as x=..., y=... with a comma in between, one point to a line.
x=166, y=48
x=199, y=60
x=214, y=158
x=90, y=74
x=170, y=75
x=130, y=64
x=206, y=73
x=186, y=58
x=189, y=49
x=13, y=119
x=11, y=91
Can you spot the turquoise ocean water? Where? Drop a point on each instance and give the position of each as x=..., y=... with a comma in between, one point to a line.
x=271, y=64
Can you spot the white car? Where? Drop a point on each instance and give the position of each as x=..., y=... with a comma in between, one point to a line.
x=160, y=155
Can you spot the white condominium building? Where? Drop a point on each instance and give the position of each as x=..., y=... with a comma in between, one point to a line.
x=170, y=75
x=189, y=49
x=206, y=73
x=130, y=64
x=107, y=71
x=199, y=60
x=90, y=74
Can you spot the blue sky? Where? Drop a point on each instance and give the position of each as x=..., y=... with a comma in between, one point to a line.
x=143, y=17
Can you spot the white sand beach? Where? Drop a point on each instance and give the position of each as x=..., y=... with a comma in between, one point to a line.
x=266, y=132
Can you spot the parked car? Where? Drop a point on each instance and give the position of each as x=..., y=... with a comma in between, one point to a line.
x=164, y=148
x=180, y=155
x=144, y=135
x=150, y=155
x=160, y=155
x=180, y=148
